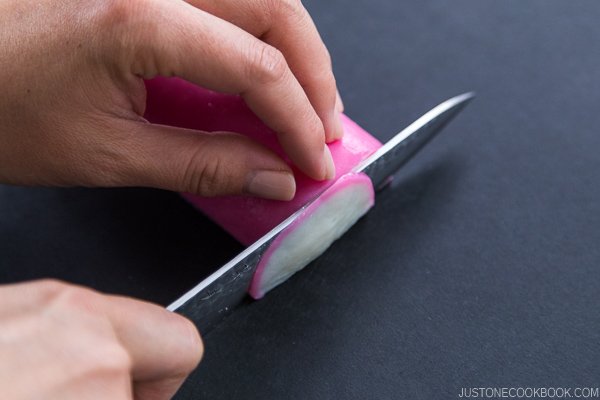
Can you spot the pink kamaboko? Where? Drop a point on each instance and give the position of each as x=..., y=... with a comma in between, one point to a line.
x=178, y=103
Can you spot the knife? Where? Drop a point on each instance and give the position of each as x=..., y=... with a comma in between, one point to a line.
x=214, y=298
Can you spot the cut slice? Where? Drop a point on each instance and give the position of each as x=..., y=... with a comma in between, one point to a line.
x=323, y=222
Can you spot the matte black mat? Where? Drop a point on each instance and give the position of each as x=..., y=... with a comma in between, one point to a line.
x=479, y=267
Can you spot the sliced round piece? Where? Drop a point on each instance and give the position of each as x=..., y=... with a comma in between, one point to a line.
x=323, y=222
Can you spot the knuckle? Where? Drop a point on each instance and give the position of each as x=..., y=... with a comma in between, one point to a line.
x=77, y=295
x=116, y=12
x=106, y=358
x=267, y=65
x=77, y=298
x=64, y=294
x=50, y=287
x=210, y=170
x=112, y=358
x=289, y=8
x=110, y=17
x=124, y=25
x=203, y=175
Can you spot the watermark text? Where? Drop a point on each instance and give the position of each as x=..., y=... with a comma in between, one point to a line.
x=529, y=393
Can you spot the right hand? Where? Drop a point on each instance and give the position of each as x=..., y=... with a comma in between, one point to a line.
x=63, y=342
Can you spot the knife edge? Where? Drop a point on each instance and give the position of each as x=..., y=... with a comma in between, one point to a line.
x=211, y=300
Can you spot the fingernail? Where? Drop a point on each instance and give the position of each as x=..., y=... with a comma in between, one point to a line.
x=272, y=185
x=337, y=130
x=339, y=127
x=329, y=165
x=339, y=104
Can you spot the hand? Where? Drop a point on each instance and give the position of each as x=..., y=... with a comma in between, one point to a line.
x=73, y=97
x=63, y=342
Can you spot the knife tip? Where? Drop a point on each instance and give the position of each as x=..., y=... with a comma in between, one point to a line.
x=466, y=97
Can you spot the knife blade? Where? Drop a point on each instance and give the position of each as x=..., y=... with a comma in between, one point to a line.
x=215, y=297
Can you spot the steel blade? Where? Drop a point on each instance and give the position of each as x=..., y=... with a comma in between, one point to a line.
x=218, y=295
x=207, y=303
x=399, y=149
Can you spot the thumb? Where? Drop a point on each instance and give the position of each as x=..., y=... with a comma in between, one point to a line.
x=202, y=163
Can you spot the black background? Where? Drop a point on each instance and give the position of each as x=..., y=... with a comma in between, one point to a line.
x=479, y=267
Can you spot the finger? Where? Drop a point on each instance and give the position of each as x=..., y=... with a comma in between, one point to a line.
x=164, y=347
x=207, y=164
x=213, y=53
x=286, y=25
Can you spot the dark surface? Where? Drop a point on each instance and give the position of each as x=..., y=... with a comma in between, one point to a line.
x=479, y=267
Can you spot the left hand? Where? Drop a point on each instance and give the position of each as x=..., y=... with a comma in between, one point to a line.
x=72, y=72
